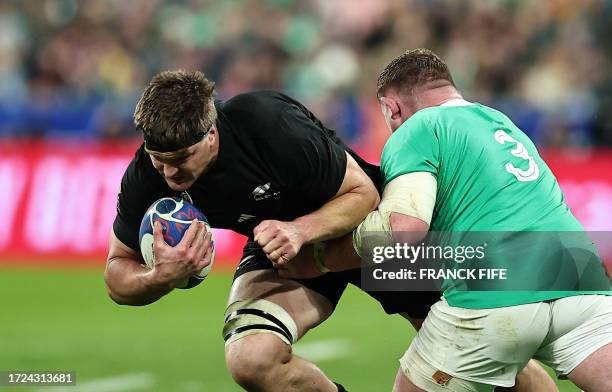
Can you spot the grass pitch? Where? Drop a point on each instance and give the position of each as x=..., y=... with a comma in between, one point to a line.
x=63, y=320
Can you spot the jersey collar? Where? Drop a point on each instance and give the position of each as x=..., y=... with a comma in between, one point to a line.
x=457, y=102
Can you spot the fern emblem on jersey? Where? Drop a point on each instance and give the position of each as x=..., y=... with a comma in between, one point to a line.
x=263, y=192
x=532, y=172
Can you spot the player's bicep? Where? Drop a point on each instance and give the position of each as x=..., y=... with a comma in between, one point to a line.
x=411, y=195
x=123, y=274
x=121, y=264
x=131, y=207
x=118, y=250
x=141, y=185
x=357, y=181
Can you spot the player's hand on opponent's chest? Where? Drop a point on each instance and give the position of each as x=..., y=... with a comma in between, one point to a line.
x=280, y=241
x=189, y=256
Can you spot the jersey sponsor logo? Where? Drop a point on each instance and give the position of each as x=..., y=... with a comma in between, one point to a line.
x=263, y=192
x=245, y=217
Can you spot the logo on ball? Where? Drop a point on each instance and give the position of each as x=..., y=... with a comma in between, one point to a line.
x=175, y=215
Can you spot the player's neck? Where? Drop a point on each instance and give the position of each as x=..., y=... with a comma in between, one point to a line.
x=436, y=96
x=212, y=151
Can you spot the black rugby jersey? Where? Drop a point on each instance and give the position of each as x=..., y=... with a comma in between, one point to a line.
x=276, y=161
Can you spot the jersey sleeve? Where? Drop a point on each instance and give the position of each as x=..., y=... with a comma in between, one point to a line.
x=414, y=147
x=140, y=187
x=301, y=155
x=314, y=161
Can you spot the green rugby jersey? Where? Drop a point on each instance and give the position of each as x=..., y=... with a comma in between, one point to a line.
x=490, y=178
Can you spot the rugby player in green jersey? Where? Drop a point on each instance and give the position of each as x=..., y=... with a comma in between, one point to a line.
x=476, y=171
x=455, y=166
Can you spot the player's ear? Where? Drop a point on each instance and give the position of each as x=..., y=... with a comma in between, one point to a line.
x=390, y=107
x=392, y=112
x=212, y=134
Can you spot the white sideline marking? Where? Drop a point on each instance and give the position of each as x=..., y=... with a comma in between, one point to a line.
x=126, y=382
x=323, y=349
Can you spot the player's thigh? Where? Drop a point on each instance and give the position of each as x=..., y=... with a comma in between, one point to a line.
x=593, y=374
x=416, y=374
x=580, y=338
x=306, y=307
x=500, y=341
x=403, y=384
x=412, y=305
x=261, y=302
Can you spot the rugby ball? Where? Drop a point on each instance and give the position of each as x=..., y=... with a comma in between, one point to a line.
x=175, y=216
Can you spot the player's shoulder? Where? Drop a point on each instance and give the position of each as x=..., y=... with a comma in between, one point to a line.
x=140, y=172
x=419, y=130
x=457, y=110
x=420, y=123
x=431, y=119
x=140, y=161
x=258, y=103
x=268, y=113
x=435, y=114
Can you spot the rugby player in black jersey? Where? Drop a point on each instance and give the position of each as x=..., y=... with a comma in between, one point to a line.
x=264, y=166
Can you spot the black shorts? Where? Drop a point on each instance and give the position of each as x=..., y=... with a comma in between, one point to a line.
x=331, y=285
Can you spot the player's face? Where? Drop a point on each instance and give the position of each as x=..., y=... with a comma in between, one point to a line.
x=182, y=168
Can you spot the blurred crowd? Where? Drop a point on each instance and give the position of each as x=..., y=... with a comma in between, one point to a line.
x=75, y=68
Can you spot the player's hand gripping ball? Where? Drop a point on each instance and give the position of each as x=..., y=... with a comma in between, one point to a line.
x=175, y=216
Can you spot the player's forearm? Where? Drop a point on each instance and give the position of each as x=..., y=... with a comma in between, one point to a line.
x=336, y=255
x=339, y=216
x=340, y=254
x=129, y=283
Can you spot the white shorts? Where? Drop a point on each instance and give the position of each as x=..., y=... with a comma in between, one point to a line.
x=490, y=346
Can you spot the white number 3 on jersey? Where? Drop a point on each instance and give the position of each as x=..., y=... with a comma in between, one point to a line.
x=532, y=172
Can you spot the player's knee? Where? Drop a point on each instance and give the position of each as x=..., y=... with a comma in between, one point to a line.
x=258, y=334
x=257, y=360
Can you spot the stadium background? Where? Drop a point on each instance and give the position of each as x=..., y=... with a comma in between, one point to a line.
x=71, y=72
